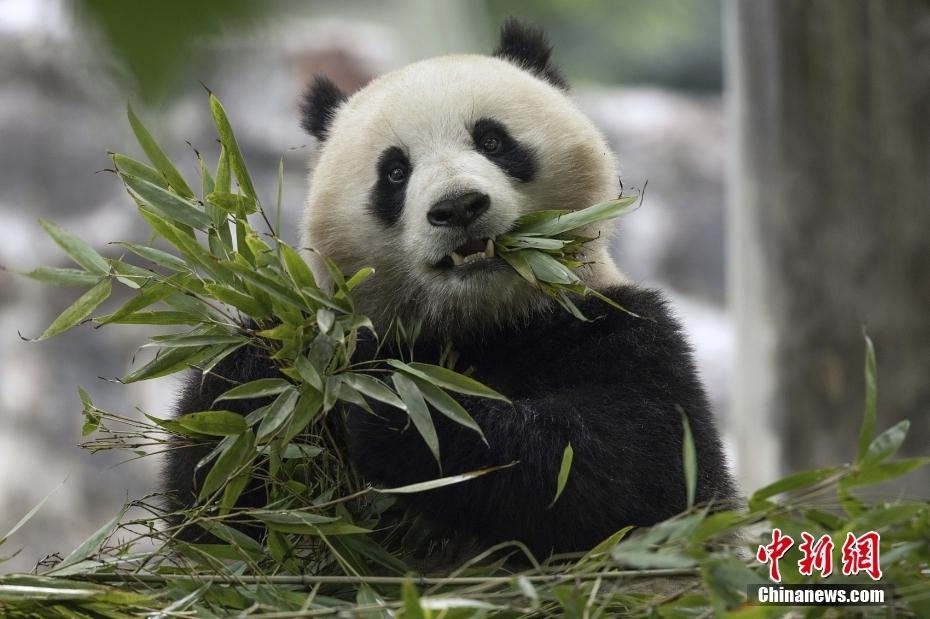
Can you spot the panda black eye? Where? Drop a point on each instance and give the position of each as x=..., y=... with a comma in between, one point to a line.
x=397, y=174
x=490, y=143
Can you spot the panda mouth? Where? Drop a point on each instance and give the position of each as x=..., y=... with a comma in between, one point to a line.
x=469, y=252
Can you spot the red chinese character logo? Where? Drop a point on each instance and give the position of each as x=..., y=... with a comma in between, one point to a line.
x=860, y=554
x=817, y=555
x=771, y=553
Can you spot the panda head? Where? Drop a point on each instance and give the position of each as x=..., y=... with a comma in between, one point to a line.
x=418, y=170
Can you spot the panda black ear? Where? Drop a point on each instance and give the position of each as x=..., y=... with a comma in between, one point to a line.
x=527, y=47
x=318, y=106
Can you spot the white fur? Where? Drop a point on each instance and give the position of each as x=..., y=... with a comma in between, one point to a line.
x=427, y=109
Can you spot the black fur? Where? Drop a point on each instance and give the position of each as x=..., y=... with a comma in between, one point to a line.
x=197, y=394
x=514, y=158
x=527, y=47
x=611, y=387
x=386, y=199
x=318, y=106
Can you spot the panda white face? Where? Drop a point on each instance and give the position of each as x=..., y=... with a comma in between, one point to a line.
x=424, y=167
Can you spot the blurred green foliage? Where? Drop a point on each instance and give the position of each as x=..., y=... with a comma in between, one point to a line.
x=154, y=41
x=675, y=43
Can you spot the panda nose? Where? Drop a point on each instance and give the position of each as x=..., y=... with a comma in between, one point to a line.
x=460, y=210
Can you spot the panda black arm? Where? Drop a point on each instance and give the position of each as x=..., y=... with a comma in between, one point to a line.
x=198, y=394
x=612, y=388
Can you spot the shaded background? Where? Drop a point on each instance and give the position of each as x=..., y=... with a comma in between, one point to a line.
x=820, y=137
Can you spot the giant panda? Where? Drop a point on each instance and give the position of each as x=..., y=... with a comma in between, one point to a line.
x=416, y=172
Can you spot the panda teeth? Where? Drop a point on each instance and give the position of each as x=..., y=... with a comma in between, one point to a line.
x=458, y=259
x=479, y=255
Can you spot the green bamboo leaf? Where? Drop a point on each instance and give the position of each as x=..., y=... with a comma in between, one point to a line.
x=516, y=242
x=527, y=221
x=887, y=443
x=185, y=243
x=242, y=302
x=885, y=471
x=411, y=601
x=564, y=469
x=306, y=410
x=154, y=318
x=231, y=147
x=235, y=538
x=278, y=414
x=306, y=520
x=79, y=310
x=335, y=274
x=573, y=220
x=716, y=524
x=235, y=451
x=181, y=341
x=867, y=432
x=352, y=396
x=447, y=405
x=689, y=458
x=611, y=302
x=130, y=275
x=299, y=451
x=448, y=379
x=274, y=288
x=260, y=388
x=159, y=257
x=91, y=415
x=332, y=387
x=548, y=269
x=128, y=165
x=517, y=260
x=360, y=276
x=305, y=523
x=79, y=251
x=373, y=388
x=726, y=578
x=166, y=203
x=91, y=544
x=214, y=423
x=297, y=267
x=882, y=517
x=565, y=301
x=223, y=180
x=608, y=544
x=157, y=156
x=418, y=412
x=206, y=179
x=168, y=362
x=147, y=295
x=221, y=353
x=445, y=604
x=325, y=318
x=647, y=560
x=62, y=276
x=804, y=479
x=234, y=203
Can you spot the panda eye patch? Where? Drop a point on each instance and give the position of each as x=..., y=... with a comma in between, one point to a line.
x=492, y=140
x=387, y=195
